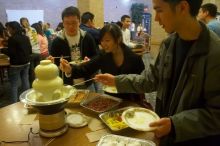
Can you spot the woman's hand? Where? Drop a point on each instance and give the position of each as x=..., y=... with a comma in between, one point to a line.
x=65, y=66
x=86, y=59
x=51, y=58
x=106, y=79
x=163, y=127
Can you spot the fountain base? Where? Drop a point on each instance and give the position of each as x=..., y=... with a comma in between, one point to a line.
x=53, y=133
x=52, y=125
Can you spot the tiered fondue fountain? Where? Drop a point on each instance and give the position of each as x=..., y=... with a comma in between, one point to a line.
x=49, y=97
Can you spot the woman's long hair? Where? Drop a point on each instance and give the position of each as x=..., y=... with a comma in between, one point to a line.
x=16, y=28
x=38, y=28
x=114, y=31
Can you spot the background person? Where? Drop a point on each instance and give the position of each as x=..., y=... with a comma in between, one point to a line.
x=126, y=22
x=35, y=56
x=19, y=51
x=42, y=40
x=207, y=14
x=87, y=24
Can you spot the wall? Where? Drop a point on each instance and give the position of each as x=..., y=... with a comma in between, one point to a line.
x=52, y=8
x=114, y=9
x=94, y=6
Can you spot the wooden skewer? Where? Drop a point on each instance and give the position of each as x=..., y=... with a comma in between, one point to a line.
x=62, y=57
x=83, y=82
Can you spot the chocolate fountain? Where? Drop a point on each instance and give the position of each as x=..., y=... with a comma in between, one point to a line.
x=49, y=96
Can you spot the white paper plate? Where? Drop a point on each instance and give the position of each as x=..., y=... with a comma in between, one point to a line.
x=139, y=118
x=109, y=89
x=76, y=120
x=76, y=62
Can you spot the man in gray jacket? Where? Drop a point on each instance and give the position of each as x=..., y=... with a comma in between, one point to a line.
x=185, y=76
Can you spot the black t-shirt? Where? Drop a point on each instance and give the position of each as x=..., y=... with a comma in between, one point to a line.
x=181, y=50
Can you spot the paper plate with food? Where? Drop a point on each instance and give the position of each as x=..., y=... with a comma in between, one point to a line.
x=101, y=103
x=76, y=120
x=77, y=62
x=139, y=118
x=109, y=89
x=113, y=119
x=80, y=96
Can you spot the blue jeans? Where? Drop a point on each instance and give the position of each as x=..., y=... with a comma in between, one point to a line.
x=15, y=74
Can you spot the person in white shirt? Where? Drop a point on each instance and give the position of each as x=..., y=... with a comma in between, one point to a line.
x=126, y=34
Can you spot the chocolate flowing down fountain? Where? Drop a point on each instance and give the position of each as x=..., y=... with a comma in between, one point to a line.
x=49, y=96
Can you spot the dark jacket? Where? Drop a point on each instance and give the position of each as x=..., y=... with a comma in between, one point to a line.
x=132, y=64
x=195, y=103
x=92, y=31
x=19, y=49
x=60, y=47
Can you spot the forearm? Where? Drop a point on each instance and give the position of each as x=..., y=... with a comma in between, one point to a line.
x=134, y=83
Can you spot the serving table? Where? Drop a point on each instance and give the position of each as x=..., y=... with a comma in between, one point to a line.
x=12, y=130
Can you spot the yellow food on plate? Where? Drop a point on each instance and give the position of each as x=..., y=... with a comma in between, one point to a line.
x=110, y=89
x=115, y=123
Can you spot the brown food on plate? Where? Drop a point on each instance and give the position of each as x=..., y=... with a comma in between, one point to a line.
x=80, y=95
x=101, y=104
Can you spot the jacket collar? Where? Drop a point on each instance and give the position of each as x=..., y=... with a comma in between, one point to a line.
x=201, y=45
x=198, y=48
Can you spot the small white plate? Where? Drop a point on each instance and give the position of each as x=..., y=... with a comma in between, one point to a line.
x=76, y=62
x=139, y=118
x=109, y=89
x=76, y=120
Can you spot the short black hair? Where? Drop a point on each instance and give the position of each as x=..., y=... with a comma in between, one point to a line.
x=124, y=17
x=86, y=17
x=211, y=8
x=38, y=28
x=113, y=30
x=16, y=27
x=71, y=11
x=194, y=5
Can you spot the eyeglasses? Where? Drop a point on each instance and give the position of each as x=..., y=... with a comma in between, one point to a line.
x=70, y=23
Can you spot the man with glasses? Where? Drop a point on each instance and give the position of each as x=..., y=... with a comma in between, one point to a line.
x=72, y=43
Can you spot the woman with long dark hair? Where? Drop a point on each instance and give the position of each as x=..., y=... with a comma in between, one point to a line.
x=115, y=58
x=42, y=40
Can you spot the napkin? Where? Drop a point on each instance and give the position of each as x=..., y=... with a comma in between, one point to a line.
x=95, y=124
x=96, y=135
